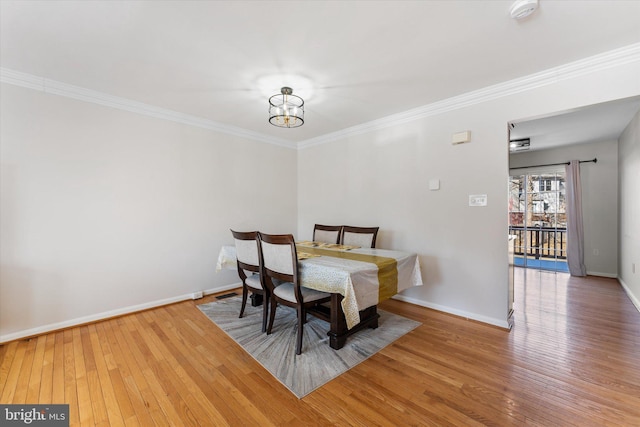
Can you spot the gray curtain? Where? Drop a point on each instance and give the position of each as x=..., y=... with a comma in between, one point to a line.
x=575, y=234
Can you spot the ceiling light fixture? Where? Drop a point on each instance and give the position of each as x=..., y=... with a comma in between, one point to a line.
x=519, y=144
x=523, y=8
x=286, y=110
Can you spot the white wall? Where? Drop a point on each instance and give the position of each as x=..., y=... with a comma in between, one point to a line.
x=629, y=169
x=599, y=198
x=103, y=211
x=381, y=178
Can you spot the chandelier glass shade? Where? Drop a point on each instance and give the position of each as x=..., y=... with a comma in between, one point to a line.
x=286, y=110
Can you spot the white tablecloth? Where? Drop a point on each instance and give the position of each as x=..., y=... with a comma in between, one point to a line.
x=356, y=281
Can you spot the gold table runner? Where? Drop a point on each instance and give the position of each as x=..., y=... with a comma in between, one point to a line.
x=387, y=267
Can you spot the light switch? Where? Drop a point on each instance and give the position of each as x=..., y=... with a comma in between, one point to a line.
x=434, y=184
x=477, y=200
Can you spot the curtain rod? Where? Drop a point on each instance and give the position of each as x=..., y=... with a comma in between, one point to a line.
x=595, y=160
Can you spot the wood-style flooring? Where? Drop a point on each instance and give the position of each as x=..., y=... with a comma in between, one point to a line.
x=572, y=358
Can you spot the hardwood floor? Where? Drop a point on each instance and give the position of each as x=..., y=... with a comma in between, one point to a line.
x=572, y=358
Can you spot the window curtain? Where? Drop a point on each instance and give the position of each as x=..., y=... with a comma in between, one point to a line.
x=575, y=233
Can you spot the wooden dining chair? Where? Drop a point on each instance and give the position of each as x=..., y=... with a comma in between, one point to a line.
x=365, y=237
x=248, y=260
x=280, y=262
x=327, y=233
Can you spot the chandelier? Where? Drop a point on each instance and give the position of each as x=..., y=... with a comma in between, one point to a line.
x=286, y=110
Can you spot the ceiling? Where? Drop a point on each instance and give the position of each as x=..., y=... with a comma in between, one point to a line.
x=599, y=122
x=352, y=61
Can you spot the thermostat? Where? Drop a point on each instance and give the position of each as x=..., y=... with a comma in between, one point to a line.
x=477, y=200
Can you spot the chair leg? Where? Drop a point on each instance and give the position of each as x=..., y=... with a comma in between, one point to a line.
x=265, y=310
x=301, y=320
x=244, y=299
x=272, y=314
x=305, y=316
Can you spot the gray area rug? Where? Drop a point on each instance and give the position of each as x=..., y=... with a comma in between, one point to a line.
x=318, y=362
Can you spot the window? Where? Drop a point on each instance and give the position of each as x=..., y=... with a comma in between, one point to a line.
x=537, y=218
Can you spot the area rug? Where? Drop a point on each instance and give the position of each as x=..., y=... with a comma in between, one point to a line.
x=318, y=363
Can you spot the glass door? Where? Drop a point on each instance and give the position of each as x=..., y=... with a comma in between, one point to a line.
x=537, y=217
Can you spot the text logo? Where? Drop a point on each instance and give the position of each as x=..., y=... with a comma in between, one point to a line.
x=34, y=415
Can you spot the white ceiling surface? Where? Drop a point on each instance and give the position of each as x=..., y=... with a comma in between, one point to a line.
x=600, y=122
x=352, y=61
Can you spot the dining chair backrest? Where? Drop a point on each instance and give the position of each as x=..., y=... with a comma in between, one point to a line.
x=365, y=237
x=279, y=259
x=327, y=233
x=247, y=250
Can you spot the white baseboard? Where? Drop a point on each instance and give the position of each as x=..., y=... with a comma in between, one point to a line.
x=107, y=314
x=596, y=273
x=222, y=288
x=631, y=296
x=504, y=323
x=461, y=313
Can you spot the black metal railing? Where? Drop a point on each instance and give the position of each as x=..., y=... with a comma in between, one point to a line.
x=540, y=242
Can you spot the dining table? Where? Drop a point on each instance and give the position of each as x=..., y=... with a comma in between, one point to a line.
x=357, y=278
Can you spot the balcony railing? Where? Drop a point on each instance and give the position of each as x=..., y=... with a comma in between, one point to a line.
x=541, y=242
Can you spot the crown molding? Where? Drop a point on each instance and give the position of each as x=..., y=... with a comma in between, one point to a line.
x=18, y=78
x=610, y=59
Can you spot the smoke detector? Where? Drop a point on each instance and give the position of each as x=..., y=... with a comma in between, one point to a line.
x=523, y=8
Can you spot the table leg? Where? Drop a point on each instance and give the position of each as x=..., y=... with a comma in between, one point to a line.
x=338, y=331
x=256, y=300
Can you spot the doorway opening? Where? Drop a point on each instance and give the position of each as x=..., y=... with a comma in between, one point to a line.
x=538, y=220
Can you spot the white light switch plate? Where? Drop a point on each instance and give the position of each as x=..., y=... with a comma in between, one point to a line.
x=477, y=200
